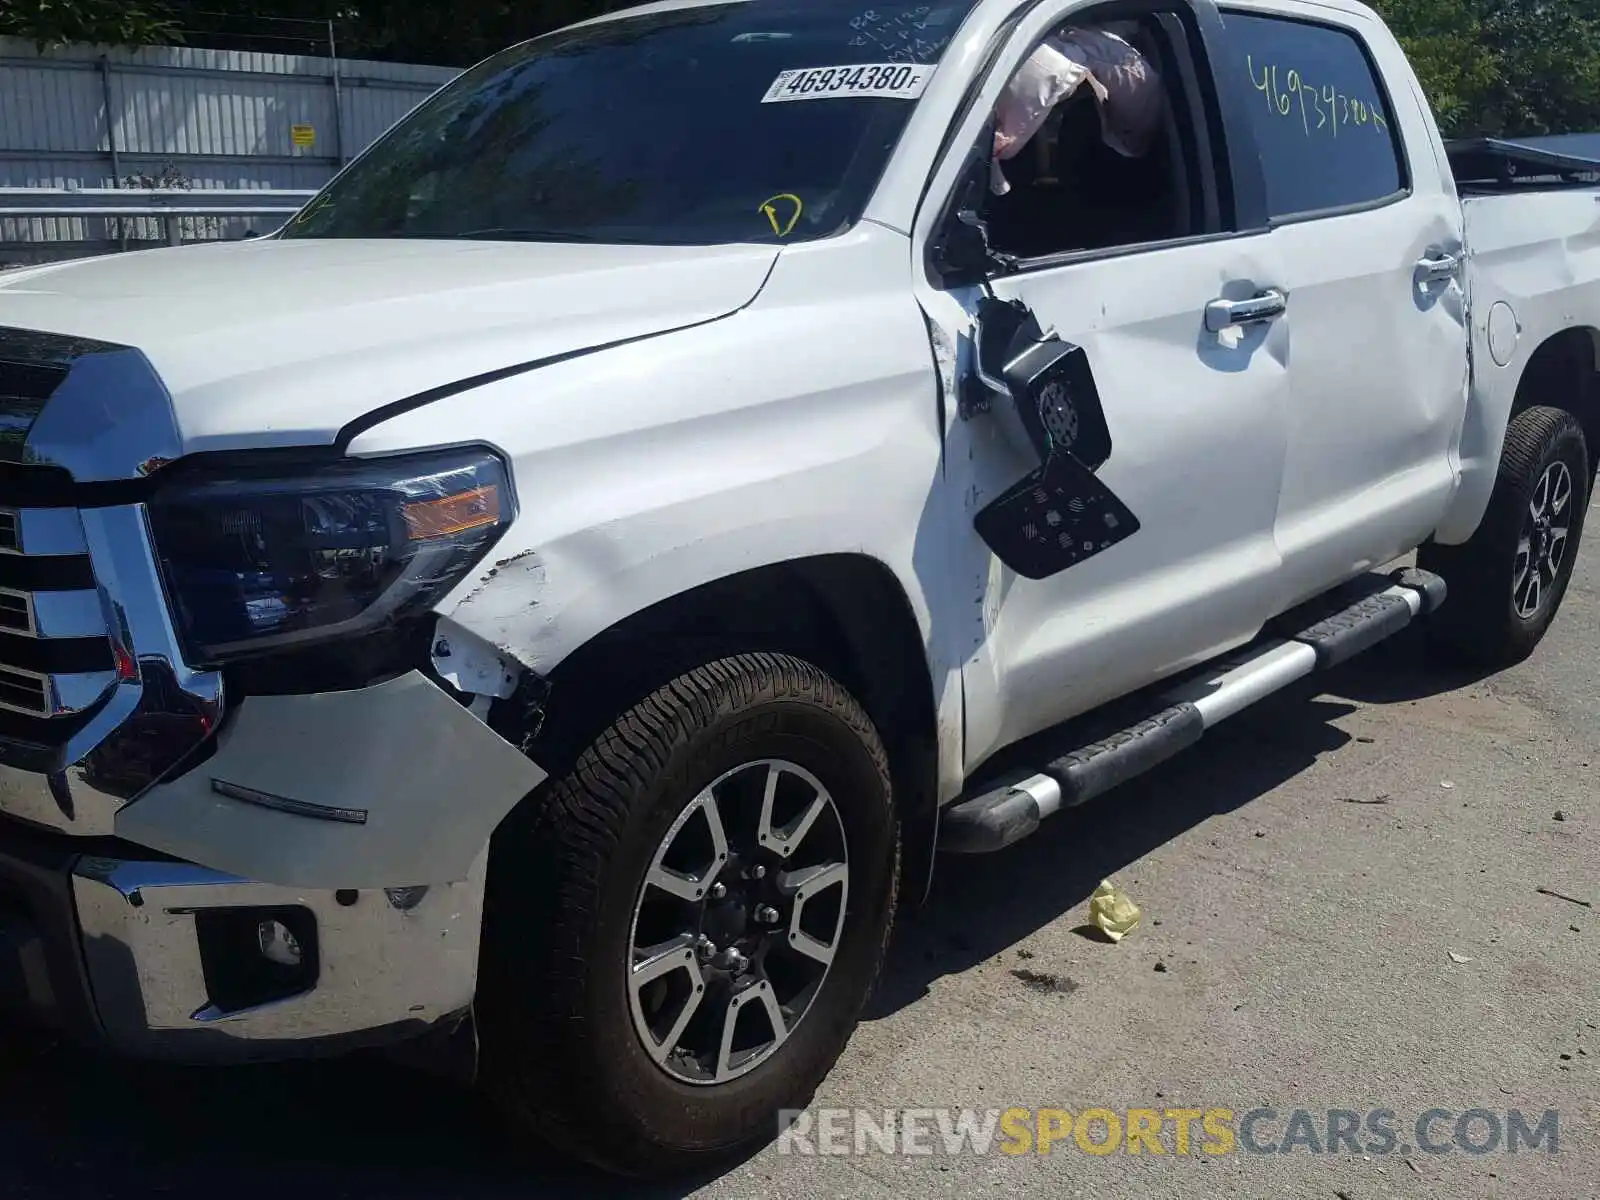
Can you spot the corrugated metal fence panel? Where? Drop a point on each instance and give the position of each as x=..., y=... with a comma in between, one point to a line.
x=182, y=115
x=190, y=58
x=218, y=118
x=370, y=111
x=51, y=107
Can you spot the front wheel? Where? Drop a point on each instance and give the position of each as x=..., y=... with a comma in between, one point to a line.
x=680, y=939
x=1507, y=581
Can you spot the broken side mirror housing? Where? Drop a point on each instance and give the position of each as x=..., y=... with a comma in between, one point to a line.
x=1060, y=513
x=962, y=257
x=960, y=254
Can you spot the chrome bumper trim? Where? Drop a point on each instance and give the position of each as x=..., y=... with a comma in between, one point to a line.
x=400, y=961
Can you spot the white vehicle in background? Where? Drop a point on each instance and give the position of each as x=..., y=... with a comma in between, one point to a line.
x=569, y=581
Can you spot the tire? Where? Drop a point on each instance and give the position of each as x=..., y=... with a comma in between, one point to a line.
x=562, y=1049
x=1487, y=617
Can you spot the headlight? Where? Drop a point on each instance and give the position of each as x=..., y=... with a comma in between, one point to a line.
x=263, y=560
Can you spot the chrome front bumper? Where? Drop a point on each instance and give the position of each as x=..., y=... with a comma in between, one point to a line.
x=326, y=811
x=389, y=963
x=114, y=952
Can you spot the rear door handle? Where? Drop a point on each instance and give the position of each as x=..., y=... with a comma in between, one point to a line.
x=1266, y=306
x=1435, y=268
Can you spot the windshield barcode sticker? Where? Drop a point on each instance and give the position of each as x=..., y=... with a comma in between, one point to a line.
x=898, y=81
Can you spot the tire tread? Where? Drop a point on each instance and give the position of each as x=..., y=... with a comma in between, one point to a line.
x=1476, y=622
x=543, y=877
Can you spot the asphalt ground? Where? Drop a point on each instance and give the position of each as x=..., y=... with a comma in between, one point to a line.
x=1341, y=911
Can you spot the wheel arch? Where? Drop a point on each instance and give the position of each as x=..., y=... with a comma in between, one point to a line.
x=846, y=613
x=1564, y=372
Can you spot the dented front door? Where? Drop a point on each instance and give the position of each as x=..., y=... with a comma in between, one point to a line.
x=1197, y=434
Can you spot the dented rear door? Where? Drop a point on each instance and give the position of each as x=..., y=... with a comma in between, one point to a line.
x=1368, y=232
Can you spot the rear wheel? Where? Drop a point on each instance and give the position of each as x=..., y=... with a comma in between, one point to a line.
x=1506, y=583
x=679, y=940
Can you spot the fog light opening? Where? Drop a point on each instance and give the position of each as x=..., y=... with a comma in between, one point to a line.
x=255, y=956
x=278, y=945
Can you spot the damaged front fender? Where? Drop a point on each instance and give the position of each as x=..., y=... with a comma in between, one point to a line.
x=393, y=785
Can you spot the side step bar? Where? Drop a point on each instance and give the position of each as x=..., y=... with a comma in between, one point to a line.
x=1299, y=643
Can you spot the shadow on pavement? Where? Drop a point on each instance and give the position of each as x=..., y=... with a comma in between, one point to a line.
x=74, y=1125
x=981, y=906
x=984, y=905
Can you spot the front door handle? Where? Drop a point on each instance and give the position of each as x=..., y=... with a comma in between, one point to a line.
x=1266, y=306
x=1435, y=268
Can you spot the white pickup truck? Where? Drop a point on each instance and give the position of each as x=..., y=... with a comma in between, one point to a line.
x=561, y=589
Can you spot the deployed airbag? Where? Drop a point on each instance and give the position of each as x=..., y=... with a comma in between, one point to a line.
x=1125, y=86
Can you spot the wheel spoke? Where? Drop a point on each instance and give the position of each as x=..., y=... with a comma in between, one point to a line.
x=769, y=1001
x=803, y=887
x=761, y=995
x=804, y=943
x=1519, y=569
x=730, y=1025
x=1561, y=489
x=656, y=961
x=804, y=884
x=719, y=837
x=769, y=793
x=1528, y=603
x=659, y=962
x=1558, y=547
x=663, y=1049
x=1541, y=497
x=685, y=885
x=785, y=840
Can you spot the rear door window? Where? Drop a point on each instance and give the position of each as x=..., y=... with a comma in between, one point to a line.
x=1321, y=118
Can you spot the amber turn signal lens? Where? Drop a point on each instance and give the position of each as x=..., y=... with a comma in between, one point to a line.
x=450, y=515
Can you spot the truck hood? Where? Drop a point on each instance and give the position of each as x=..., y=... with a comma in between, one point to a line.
x=274, y=343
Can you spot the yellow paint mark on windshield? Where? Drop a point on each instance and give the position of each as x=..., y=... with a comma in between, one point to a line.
x=771, y=208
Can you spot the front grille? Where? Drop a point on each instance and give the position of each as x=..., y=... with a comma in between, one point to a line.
x=16, y=612
x=24, y=388
x=56, y=657
x=57, y=663
x=42, y=572
x=24, y=691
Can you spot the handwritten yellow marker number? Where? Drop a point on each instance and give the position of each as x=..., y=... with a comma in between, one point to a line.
x=311, y=210
x=770, y=207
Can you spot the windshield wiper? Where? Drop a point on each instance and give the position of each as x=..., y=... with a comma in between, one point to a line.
x=512, y=234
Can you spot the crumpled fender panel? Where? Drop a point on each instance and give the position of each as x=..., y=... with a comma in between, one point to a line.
x=393, y=785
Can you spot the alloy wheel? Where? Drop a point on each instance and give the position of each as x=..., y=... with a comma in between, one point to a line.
x=1542, y=546
x=737, y=921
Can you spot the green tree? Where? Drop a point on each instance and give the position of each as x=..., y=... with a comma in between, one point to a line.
x=104, y=22
x=1504, y=66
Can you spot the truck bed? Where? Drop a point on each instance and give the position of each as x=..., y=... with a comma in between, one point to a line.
x=1498, y=165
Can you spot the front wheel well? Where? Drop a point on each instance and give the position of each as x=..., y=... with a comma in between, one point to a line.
x=846, y=613
x=1564, y=372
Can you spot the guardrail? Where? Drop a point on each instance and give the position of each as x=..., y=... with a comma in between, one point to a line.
x=170, y=204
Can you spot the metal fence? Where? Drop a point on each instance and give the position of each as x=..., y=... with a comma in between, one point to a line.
x=178, y=118
x=181, y=216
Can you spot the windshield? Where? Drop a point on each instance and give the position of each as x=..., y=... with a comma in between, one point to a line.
x=759, y=121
